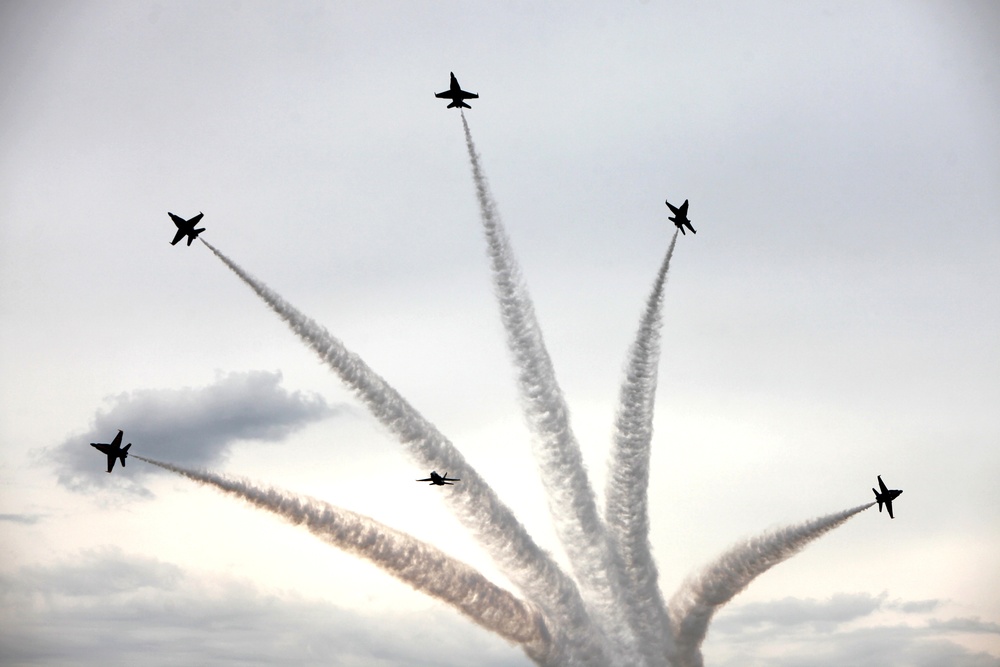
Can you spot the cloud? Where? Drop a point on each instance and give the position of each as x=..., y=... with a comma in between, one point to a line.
x=108, y=607
x=852, y=629
x=191, y=426
x=97, y=573
x=789, y=612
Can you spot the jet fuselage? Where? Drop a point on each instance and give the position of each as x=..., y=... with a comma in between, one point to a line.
x=885, y=496
x=113, y=450
x=456, y=95
x=186, y=227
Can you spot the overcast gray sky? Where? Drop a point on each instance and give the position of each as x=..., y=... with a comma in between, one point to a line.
x=835, y=317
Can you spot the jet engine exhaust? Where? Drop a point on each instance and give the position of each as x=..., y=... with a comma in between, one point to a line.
x=478, y=507
x=693, y=606
x=416, y=563
x=571, y=498
x=627, y=505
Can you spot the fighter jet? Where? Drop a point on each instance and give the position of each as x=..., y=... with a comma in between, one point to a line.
x=887, y=496
x=680, y=217
x=186, y=227
x=114, y=450
x=438, y=480
x=456, y=95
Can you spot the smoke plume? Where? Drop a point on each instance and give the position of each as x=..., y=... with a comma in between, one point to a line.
x=571, y=498
x=627, y=497
x=475, y=503
x=693, y=606
x=416, y=563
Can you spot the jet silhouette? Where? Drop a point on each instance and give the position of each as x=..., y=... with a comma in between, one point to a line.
x=456, y=94
x=438, y=480
x=114, y=450
x=680, y=217
x=186, y=227
x=887, y=496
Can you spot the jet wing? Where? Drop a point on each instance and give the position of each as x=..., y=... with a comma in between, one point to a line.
x=178, y=236
x=888, y=507
x=117, y=442
x=196, y=219
x=881, y=485
x=455, y=92
x=425, y=479
x=111, y=461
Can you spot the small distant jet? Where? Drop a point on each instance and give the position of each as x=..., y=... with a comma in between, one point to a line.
x=680, y=217
x=456, y=94
x=186, y=227
x=114, y=450
x=886, y=497
x=438, y=480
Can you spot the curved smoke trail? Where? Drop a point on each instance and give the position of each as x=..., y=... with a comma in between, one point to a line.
x=693, y=606
x=571, y=497
x=475, y=503
x=416, y=563
x=627, y=498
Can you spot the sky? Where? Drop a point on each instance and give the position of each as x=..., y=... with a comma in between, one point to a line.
x=835, y=317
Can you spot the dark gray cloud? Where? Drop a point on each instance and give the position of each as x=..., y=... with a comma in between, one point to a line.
x=190, y=426
x=107, y=607
x=844, y=629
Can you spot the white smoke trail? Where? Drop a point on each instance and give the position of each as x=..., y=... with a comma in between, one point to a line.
x=416, y=563
x=571, y=498
x=627, y=499
x=474, y=502
x=694, y=604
